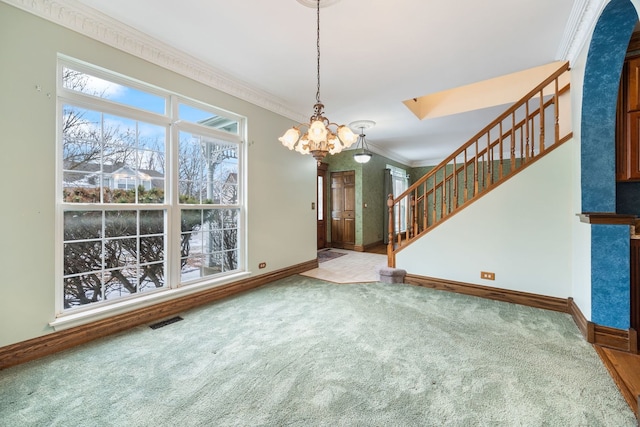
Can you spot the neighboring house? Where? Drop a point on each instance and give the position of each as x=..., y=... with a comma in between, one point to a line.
x=119, y=176
x=126, y=178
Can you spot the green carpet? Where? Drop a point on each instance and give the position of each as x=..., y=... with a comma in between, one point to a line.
x=302, y=352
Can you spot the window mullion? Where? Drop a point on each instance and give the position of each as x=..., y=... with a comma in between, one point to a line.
x=174, y=213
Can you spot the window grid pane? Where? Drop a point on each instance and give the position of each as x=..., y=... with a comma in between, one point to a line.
x=209, y=242
x=111, y=254
x=79, y=81
x=208, y=170
x=105, y=164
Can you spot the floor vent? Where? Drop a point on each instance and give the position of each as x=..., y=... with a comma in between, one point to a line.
x=165, y=322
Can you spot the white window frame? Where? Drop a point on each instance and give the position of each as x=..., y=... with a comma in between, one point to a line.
x=173, y=288
x=194, y=128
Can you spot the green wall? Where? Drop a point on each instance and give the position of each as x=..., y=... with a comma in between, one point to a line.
x=369, y=192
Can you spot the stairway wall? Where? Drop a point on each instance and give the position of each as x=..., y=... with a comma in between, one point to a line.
x=521, y=231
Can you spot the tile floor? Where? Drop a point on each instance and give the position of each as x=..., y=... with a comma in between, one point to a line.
x=354, y=267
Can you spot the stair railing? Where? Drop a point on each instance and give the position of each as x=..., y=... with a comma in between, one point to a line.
x=537, y=123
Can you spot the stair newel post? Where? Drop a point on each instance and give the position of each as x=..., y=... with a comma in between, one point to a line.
x=391, y=259
x=541, y=122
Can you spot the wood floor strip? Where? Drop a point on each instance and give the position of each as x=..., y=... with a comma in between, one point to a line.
x=624, y=369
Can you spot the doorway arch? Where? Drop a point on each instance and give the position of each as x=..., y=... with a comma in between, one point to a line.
x=610, y=294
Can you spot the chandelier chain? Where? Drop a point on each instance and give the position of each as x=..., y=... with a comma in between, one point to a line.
x=318, y=48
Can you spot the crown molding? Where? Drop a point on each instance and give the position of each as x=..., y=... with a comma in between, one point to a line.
x=582, y=21
x=89, y=22
x=389, y=155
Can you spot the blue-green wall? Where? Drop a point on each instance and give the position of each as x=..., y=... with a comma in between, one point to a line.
x=609, y=244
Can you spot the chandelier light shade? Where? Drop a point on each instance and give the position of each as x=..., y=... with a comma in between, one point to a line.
x=362, y=153
x=321, y=137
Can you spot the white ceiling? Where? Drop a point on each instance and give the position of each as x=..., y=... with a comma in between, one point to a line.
x=374, y=55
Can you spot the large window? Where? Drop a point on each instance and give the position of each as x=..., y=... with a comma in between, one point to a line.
x=150, y=189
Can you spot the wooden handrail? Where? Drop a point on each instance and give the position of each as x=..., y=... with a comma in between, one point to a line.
x=517, y=137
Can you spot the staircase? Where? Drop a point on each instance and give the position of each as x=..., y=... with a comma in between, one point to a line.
x=534, y=126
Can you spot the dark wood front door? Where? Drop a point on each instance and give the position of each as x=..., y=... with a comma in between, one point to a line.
x=321, y=205
x=343, y=209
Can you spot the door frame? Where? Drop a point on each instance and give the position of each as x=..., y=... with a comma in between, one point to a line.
x=321, y=205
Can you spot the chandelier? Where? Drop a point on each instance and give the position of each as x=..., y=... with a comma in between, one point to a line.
x=362, y=153
x=322, y=137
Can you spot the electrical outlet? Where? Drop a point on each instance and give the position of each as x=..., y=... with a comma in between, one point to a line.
x=262, y=265
x=487, y=275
